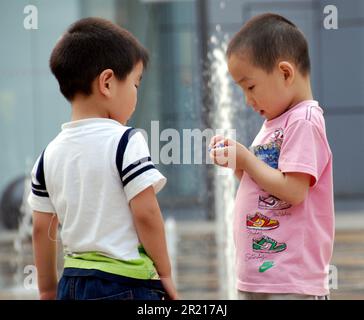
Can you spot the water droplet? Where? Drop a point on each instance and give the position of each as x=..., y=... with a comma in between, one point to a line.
x=213, y=40
x=218, y=28
x=222, y=5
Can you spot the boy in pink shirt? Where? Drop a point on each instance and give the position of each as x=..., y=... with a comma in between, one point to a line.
x=284, y=212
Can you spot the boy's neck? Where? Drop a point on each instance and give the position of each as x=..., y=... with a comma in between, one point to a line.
x=85, y=108
x=303, y=92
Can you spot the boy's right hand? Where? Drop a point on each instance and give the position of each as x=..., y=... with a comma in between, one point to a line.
x=171, y=291
x=48, y=295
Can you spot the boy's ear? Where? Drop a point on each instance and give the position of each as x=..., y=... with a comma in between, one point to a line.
x=287, y=70
x=104, y=82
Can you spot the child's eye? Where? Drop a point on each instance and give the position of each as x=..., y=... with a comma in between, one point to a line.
x=251, y=88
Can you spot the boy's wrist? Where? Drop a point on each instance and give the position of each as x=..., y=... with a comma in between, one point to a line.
x=241, y=157
x=165, y=275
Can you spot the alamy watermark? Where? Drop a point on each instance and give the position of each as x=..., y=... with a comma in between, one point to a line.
x=30, y=280
x=331, y=19
x=190, y=146
x=333, y=277
x=30, y=21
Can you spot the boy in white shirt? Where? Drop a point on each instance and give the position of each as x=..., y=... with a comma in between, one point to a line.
x=96, y=178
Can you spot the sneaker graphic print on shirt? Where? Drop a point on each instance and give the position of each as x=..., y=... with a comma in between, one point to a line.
x=257, y=223
x=261, y=243
x=272, y=203
x=266, y=244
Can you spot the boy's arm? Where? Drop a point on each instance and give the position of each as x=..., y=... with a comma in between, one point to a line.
x=149, y=225
x=290, y=187
x=45, y=253
x=239, y=173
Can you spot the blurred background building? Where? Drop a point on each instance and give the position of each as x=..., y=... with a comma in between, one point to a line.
x=179, y=89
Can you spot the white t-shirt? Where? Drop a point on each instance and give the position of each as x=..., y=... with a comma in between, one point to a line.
x=87, y=175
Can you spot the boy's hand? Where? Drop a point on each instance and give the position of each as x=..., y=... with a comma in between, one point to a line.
x=216, y=141
x=170, y=288
x=226, y=152
x=48, y=295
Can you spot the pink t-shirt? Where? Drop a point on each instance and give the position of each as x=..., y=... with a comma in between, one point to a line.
x=282, y=248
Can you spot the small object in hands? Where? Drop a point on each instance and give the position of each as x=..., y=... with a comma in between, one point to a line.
x=220, y=145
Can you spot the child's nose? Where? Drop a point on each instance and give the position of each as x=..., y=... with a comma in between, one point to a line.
x=249, y=102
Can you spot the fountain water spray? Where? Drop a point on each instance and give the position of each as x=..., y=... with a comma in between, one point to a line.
x=224, y=178
x=24, y=233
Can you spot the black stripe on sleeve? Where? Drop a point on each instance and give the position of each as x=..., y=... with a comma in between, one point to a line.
x=40, y=174
x=137, y=173
x=121, y=149
x=134, y=165
x=37, y=187
x=40, y=193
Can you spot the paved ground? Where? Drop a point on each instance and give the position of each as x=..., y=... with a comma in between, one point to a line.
x=197, y=264
x=349, y=260
x=197, y=271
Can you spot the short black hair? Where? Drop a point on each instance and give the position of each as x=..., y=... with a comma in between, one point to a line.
x=90, y=46
x=269, y=37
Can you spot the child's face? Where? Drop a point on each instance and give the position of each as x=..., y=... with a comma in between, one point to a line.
x=125, y=95
x=269, y=94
